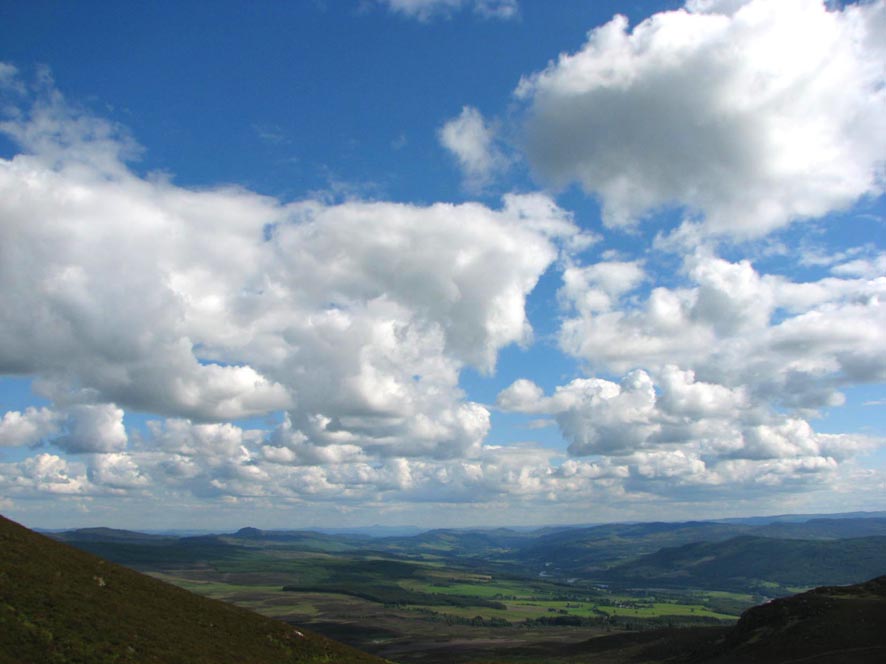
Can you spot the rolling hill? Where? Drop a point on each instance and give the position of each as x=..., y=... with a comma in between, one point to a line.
x=59, y=604
x=633, y=553
x=750, y=562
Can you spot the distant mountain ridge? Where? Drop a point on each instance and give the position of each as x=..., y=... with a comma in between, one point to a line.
x=102, y=534
x=787, y=518
x=611, y=553
x=379, y=531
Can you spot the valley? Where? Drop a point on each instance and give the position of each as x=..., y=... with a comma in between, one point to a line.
x=451, y=595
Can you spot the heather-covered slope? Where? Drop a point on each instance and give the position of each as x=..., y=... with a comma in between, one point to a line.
x=828, y=625
x=59, y=605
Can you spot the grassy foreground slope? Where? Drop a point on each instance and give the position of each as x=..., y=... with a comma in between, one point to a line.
x=59, y=605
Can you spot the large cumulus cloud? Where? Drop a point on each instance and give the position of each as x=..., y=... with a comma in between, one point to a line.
x=751, y=114
x=121, y=291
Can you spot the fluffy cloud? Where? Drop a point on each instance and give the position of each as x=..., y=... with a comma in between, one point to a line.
x=184, y=437
x=47, y=473
x=424, y=10
x=27, y=428
x=180, y=462
x=681, y=439
x=472, y=141
x=525, y=472
x=597, y=287
x=519, y=474
x=682, y=475
x=355, y=318
x=787, y=342
x=751, y=114
x=111, y=474
x=93, y=428
x=116, y=471
x=683, y=423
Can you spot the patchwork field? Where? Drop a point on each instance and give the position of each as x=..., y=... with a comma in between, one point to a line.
x=404, y=609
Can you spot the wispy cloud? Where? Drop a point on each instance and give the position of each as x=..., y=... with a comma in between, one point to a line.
x=271, y=134
x=425, y=10
x=472, y=141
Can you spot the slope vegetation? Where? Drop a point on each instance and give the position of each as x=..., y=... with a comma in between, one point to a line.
x=59, y=605
x=823, y=626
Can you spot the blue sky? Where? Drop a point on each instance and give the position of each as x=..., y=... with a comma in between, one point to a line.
x=449, y=262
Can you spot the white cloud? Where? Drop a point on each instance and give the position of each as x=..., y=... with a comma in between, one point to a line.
x=183, y=463
x=522, y=396
x=596, y=416
x=596, y=287
x=9, y=79
x=497, y=8
x=28, y=427
x=677, y=420
x=862, y=267
x=48, y=473
x=685, y=441
x=472, y=141
x=186, y=438
x=44, y=474
x=680, y=476
x=684, y=396
x=93, y=428
x=425, y=10
x=355, y=318
x=117, y=472
x=517, y=474
x=752, y=114
x=525, y=472
x=787, y=342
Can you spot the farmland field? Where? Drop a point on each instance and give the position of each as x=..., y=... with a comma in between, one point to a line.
x=419, y=607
